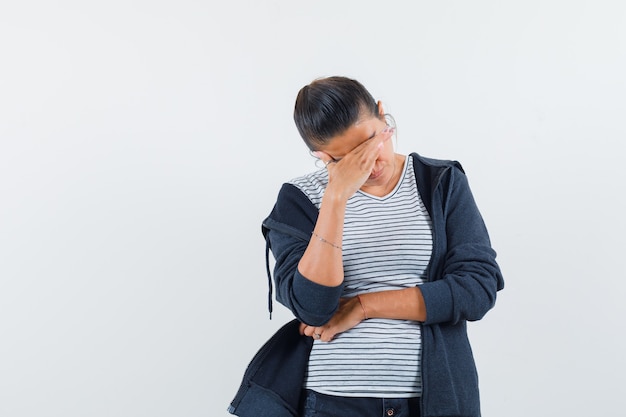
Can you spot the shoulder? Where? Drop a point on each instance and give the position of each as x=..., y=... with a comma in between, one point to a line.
x=434, y=174
x=312, y=185
x=430, y=172
x=434, y=164
x=294, y=211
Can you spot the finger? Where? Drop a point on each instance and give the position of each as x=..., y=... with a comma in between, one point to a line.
x=368, y=151
x=375, y=144
x=388, y=131
x=308, y=331
x=302, y=327
x=327, y=336
x=384, y=135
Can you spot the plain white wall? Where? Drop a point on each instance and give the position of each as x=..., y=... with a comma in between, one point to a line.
x=142, y=143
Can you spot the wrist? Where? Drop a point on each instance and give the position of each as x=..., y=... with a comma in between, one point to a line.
x=362, y=307
x=335, y=197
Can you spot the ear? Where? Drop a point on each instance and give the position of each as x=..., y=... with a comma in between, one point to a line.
x=381, y=111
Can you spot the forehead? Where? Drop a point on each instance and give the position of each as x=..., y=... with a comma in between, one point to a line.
x=356, y=134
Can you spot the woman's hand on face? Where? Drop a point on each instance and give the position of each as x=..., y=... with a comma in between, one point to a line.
x=352, y=171
x=347, y=316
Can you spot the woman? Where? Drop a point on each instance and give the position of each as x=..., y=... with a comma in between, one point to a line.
x=382, y=258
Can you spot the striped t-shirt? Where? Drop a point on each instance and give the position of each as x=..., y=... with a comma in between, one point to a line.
x=387, y=245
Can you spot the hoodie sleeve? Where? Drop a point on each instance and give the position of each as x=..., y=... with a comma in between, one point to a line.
x=287, y=231
x=467, y=281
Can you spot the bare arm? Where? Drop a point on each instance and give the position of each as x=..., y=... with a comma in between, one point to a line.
x=322, y=262
x=403, y=304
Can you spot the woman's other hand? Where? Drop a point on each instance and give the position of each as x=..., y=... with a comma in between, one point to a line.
x=349, y=314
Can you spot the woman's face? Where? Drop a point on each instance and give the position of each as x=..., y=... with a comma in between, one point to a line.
x=385, y=168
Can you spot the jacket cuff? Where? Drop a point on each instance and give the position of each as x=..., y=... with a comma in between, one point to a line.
x=438, y=300
x=318, y=302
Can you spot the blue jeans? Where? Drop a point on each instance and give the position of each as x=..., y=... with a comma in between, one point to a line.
x=315, y=404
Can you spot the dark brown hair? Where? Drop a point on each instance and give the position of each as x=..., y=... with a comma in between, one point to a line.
x=329, y=106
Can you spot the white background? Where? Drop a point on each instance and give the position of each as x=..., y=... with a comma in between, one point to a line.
x=142, y=143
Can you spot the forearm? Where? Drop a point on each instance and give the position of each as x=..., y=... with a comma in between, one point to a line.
x=404, y=304
x=322, y=261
